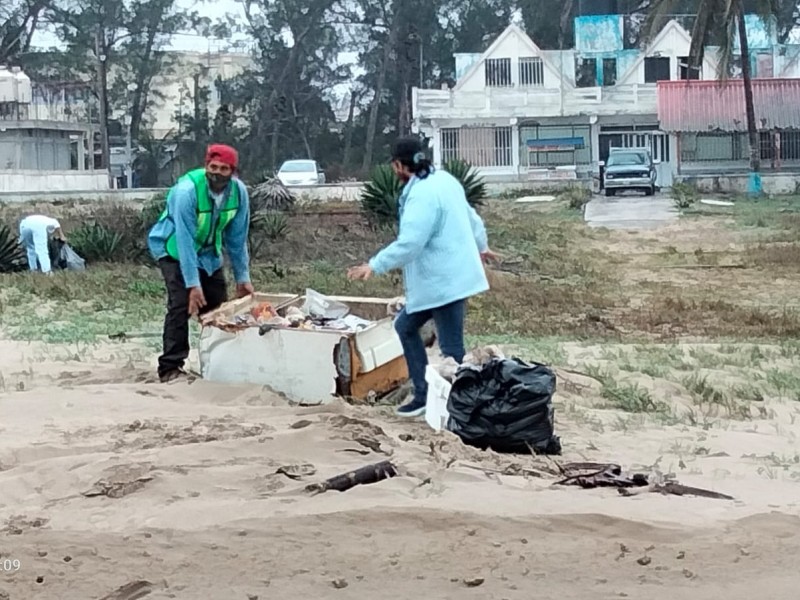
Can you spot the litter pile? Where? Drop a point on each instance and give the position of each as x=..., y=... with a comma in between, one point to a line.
x=317, y=313
x=490, y=401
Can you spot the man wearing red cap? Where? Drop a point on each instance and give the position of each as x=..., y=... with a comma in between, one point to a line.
x=207, y=213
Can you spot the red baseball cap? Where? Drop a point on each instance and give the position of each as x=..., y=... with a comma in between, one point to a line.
x=224, y=154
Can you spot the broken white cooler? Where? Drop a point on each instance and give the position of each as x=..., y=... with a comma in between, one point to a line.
x=310, y=366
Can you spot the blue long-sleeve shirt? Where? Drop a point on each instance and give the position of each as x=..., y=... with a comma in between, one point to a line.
x=438, y=245
x=182, y=220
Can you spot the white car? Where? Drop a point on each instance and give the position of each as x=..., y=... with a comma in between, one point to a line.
x=300, y=172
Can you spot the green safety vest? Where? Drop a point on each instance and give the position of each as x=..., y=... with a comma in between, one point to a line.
x=208, y=232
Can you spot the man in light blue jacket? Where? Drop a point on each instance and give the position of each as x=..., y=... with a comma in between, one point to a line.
x=441, y=247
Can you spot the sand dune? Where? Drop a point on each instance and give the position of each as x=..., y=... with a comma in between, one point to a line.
x=109, y=479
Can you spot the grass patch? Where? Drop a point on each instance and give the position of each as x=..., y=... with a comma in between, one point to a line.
x=631, y=398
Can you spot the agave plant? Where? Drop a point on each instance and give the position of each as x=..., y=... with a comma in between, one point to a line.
x=382, y=192
x=12, y=255
x=98, y=243
x=271, y=195
x=474, y=185
x=380, y=195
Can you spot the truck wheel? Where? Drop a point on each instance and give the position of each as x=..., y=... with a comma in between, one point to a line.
x=650, y=191
x=611, y=192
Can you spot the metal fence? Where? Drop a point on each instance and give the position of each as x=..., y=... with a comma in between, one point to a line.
x=479, y=146
x=776, y=148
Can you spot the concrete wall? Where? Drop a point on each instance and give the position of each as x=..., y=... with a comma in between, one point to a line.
x=19, y=183
x=349, y=192
x=773, y=183
x=35, y=149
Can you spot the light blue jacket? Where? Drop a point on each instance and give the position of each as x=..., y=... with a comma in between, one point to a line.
x=438, y=245
x=182, y=219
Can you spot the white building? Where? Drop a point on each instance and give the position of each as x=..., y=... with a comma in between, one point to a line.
x=45, y=137
x=520, y=113
x=178, y=85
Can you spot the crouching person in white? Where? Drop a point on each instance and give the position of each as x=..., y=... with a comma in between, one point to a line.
x=34, y=234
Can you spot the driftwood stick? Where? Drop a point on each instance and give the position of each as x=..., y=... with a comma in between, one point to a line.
x=677, y=489
x=361, y=476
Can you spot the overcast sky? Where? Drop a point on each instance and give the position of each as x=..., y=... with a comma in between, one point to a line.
x=213, y=10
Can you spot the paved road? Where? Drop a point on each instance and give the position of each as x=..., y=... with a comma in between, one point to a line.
x=630, y=212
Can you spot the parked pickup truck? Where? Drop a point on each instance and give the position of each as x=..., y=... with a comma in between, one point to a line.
x=630, y=169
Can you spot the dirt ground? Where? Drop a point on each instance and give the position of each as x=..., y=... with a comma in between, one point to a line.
x=117, y=487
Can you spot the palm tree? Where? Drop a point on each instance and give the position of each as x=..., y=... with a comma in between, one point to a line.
x=719, y=21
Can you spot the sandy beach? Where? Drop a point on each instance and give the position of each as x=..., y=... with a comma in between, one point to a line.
x=110, y=480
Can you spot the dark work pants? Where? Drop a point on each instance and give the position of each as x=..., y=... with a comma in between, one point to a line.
x=449, y=320
x=176, y=323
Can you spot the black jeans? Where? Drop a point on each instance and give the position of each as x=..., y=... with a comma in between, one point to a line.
x=449, y=320
x=176, y=323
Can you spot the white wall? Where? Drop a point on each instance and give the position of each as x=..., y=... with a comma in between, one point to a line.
x=673, y=44
x=514, y=47
x=18, y=181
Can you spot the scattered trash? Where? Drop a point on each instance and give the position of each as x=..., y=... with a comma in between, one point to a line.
x=644, y=561
x=320, y=306
x=593, y=475
x=362, y=476
x=120, y=481
x=505, y=405
x=317, y=313
x=534, y=199
x=131, y=591
x=436, y=414
x=474, y=581
x=716, y=202
x=297, y=471
x=339, y=584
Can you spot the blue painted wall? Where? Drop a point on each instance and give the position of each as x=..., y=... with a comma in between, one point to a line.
x=600, y=33
x=760, y=35
x=601, y=37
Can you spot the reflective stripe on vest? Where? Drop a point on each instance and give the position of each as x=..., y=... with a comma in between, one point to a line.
x=209, y=233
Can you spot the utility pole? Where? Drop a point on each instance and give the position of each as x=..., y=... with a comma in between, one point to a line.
x=128, y=136
x=102, y=88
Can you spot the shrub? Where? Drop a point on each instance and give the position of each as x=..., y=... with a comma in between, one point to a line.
x=152, y=210
x=97, y=243
x=576, y=197
x=382, y=191
x=474, y=185
x=380, y=195
x=684, y=194
x=12, y=255
x=271, y=195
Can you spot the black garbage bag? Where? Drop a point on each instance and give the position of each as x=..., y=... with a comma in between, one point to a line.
x=506, y=405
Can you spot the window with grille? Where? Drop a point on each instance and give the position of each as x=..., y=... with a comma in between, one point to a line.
x=531, y=72
x=479, y=146
x=498, y=72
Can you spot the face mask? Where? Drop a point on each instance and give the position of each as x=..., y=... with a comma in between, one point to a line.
x=217, y=181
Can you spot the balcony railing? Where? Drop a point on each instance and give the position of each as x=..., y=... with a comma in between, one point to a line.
x=544, y=102
x=54, y=112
